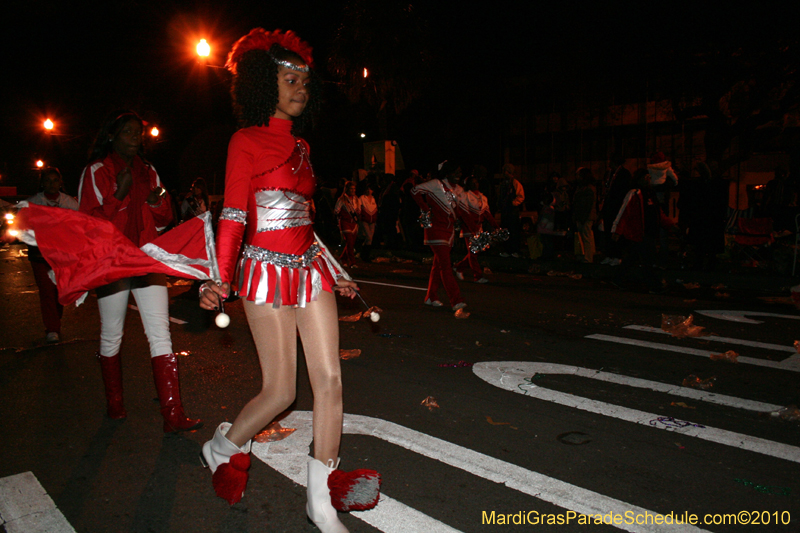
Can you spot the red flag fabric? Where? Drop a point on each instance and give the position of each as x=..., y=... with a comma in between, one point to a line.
x=86, y=252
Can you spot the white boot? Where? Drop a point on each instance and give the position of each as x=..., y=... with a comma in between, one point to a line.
x=319, y=508
x=228, y=463
x=219, y=449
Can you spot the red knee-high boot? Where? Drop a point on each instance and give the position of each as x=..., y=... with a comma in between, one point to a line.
x=111, y=368
x=165, y=375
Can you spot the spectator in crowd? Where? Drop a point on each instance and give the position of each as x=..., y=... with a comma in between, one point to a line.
x=121, y=186
x=348, y=209
x=616, y=185
x=510, y=198
x=639, y=222
x=703, y=207
x=389, y=211
x=51, y=195
x=546, y=227
x=662, y=176
x=584, y=213
x=196, y=202
x=409, y=213
x=780, y=201
x=368, y=217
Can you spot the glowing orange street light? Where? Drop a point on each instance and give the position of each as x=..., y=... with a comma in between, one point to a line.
x=39, y=163
x=203, y=49
x=363, y=135
x=366, y=72
x=154, y=131
x=48, y=125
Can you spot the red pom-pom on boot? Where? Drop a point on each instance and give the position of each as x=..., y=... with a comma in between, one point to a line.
x=230, y=479
x=228, y=463
x=358, y=490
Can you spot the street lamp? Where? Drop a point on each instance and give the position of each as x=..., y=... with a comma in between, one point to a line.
x=48, y=125
x=39, y=163
x=366, y=72
x=154, y=131
x=203, y=49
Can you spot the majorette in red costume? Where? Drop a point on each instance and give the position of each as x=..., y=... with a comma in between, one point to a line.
x=474, y=209
x=267, y=215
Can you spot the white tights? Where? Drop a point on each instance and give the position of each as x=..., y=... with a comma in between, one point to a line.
x=150, y=293
x=275, y=335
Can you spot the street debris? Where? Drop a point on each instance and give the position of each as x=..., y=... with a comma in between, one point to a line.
x=672, y=422
x=790, y=413
x=364, y=314
x=681, y=327
x=273, y=433
x=185, y=353
x=795, y=291
x=430, y=403
x=492, y=422
x=351, y=318
x=573, y=438
x=729, y=357
x=460, y=364
x=349, y=354
x=695, y=382
x=766, y=489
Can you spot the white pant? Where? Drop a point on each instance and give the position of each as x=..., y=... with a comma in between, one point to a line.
x=150, y=293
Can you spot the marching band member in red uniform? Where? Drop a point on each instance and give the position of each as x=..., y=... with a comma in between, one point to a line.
x=284, y=274
x=368, y=218
x=475, y=209
x=120, y=186
x=347, y=210
x=437, y=201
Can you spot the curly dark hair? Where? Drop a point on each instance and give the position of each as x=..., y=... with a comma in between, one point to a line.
x=113, y=124
x=255, y=88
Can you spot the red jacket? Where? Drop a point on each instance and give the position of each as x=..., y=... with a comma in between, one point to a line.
x=133, y=216
x=437, y=198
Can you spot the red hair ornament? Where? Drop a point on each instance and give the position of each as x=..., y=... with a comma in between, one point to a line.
x=260, y=39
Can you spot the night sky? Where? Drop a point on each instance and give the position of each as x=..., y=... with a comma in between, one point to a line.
x=77, y=62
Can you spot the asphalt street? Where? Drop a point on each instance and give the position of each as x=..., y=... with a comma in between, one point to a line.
x=609, y=433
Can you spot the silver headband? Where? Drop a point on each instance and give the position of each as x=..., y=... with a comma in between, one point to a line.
x=290, y=65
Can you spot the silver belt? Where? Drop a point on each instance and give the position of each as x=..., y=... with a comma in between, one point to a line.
x=283, y=260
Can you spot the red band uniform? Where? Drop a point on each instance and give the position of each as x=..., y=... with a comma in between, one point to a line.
x=437, y=198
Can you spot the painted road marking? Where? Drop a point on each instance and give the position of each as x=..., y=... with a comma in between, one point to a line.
x=516, y=377
x=390, y=285
x=26, y=507
x=791, y=364
x=738, y=316
x=729, y=340
x=173, y=320
x=290, y=455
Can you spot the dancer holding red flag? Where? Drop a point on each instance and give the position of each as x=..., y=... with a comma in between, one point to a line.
x=285, y=275
x=119, y=185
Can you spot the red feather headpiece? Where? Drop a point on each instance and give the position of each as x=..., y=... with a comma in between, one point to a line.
x=260, y=39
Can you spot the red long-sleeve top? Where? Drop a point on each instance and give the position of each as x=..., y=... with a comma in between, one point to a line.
x=133, y=216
